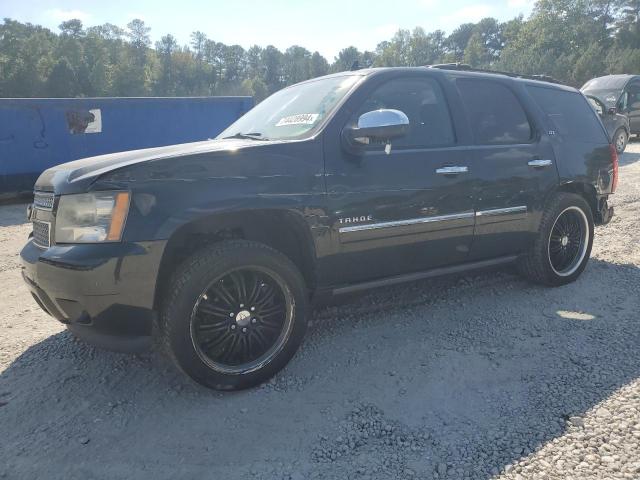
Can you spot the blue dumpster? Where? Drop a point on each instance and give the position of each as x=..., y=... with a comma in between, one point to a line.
x=36, y=134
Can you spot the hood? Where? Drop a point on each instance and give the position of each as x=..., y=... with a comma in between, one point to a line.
x=79, y=174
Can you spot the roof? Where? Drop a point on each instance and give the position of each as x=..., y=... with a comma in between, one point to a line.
x=461, y=70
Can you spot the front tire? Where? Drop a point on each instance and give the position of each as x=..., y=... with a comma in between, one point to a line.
x=235, y=314
x=563, y=245
x=620, y=139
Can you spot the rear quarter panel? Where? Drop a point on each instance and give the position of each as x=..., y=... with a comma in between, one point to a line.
x=582, y=158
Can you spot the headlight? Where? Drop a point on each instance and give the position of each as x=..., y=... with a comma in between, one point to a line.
x=91, y=217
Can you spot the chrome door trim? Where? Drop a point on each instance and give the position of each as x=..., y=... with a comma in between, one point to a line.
x=451, y=170
x=540, y=163
x=502, y=211
x=403, y=223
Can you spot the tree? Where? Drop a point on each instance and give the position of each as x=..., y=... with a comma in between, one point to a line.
x=62, y=80
x=165, y=48
x=272, y=64
x=572, y=40
x=552, y=40
x=72, y=28
x=234, y=66
x=395, y=53
x=107, y=31
x=458, y=40
x=256, y=88
x=628, y=25
x=476, y=54
x=138, y=34
x=296, y=64
x=318, y=65
x=198, y=42
x=346, y=59
x=134, y=70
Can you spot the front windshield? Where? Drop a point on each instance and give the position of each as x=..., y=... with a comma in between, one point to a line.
x=610, y=82
x=293, y=112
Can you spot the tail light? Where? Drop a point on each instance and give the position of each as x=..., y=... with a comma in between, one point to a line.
x=614, y=160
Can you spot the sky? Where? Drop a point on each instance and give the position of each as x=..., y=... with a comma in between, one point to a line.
x=323, y=25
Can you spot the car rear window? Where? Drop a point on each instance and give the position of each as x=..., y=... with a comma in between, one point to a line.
x=570, y=114
x=494, y=111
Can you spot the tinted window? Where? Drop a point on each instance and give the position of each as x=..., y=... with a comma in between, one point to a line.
x=422, y=100
x=569, y=113
x=495, y=113
x=609, y=82
x=633, y=96
x=597, y=105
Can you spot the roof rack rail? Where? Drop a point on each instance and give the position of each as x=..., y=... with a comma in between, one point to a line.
x=468, y=68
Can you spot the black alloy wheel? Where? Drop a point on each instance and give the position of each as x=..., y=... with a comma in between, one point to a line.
x=561, y=248
x=234, y=314
x=241, y=320
x=568, y=241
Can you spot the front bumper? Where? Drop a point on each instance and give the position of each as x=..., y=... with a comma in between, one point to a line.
x=104, y=293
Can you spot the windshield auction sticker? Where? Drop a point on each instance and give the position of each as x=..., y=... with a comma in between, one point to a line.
x=300, y=119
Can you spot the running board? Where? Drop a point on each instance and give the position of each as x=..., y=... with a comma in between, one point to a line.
x=436, y=272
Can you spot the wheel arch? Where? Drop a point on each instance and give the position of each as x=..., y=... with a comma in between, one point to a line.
x=585, y=190
x=283, y=230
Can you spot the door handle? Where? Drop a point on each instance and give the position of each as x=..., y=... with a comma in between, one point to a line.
x=451, y=170
x=540, y=163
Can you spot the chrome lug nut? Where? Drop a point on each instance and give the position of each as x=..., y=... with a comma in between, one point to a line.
x=233, y=327
x=253, y=320
x=231, y=314
x=244, y=329
x=253, y=309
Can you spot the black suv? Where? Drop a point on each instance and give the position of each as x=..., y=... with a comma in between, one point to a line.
x=342, y=183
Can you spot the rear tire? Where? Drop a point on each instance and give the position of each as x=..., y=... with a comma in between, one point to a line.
x=620, y=139
x=563, y=245
x=234, y=315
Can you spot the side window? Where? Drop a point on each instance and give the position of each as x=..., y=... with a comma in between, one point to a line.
x=569, y=113
x=633, y=99
x=495, y=113
x=422, y=100
x=597, y=105
x=622, y=102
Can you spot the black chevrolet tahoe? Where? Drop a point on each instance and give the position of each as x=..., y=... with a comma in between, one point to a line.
x=342, y=183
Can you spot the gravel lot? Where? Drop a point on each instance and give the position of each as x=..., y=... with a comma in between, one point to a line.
x=481, y=376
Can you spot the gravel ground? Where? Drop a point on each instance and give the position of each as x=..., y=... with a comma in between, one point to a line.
x=480, y=377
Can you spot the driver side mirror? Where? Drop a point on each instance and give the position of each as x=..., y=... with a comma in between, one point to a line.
x=377, y=126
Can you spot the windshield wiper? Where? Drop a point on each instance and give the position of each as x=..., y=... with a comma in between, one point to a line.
x=250, y=136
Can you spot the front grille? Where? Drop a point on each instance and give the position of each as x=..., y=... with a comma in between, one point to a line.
x=43, y=200
x=42, y=233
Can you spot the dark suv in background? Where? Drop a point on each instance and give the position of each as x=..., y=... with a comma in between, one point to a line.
x=621, y=96
x=617, y=125
x=342, y=183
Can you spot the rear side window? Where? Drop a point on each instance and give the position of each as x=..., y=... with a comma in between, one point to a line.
x=495, y=113
x=570, y=114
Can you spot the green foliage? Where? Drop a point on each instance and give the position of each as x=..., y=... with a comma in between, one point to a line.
x=62, y=81
x=572, y=40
